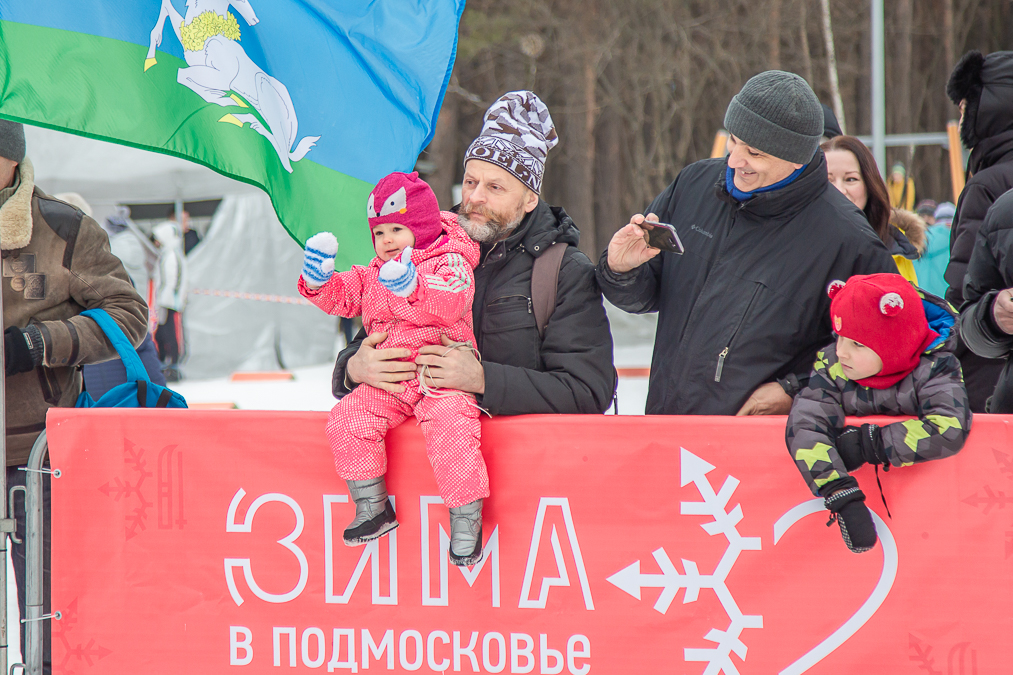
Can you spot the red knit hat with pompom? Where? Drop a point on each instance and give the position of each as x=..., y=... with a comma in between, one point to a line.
x=883, y=312
x=407, y=200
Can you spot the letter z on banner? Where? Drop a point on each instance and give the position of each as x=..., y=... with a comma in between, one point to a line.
x=613, y=545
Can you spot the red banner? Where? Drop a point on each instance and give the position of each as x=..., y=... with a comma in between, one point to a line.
x=189, y=541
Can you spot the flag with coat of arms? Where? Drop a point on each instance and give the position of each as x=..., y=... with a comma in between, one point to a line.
x=312, y=100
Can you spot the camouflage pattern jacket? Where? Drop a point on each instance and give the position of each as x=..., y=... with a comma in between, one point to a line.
x=933, y=393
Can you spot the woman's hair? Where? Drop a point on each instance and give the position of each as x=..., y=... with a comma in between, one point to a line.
x=877, y=205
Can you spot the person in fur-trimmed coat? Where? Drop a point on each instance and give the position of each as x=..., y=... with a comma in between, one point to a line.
x=419, y=287
x=56, y=264
x=893, y=356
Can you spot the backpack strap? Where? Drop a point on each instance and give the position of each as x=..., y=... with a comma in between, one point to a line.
x=544, y=283
x=131, y=361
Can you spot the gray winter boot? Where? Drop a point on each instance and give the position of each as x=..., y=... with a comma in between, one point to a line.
x=466, y=534
x=374, y=515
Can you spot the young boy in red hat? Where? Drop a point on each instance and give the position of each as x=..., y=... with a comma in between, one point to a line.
x=893, y=356
x=418, y=288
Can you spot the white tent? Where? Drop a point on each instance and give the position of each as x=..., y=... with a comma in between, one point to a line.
x=246, y=250
x=106, y=174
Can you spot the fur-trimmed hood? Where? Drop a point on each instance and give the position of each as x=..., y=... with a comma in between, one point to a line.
x=986, y=83
x=913, y=227
x=16, y=212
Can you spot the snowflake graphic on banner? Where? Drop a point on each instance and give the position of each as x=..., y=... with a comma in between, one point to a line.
x=725, y=522
x=136, y=519
x=996, y=499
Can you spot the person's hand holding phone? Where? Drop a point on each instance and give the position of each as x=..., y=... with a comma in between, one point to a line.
x=628, y=248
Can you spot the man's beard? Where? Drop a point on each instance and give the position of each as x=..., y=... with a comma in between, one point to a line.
x=496, y=226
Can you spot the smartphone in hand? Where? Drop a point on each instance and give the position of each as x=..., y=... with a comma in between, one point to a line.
x=663, y=236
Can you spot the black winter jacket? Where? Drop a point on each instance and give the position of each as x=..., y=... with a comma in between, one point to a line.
x=747, y=303
x=569, y=371
x=990, y=270
x=992, y=166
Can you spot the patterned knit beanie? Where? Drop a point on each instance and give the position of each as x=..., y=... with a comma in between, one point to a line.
x=883, y=312
x=517, y=135
x=407, y=200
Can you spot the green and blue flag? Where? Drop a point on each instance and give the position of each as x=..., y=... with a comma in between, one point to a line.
x=312, y=100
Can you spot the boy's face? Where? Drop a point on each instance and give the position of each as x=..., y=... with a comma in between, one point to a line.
x=389, y=239
x=857, y=360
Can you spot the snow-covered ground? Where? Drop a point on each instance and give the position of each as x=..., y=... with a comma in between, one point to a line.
x=310, y=388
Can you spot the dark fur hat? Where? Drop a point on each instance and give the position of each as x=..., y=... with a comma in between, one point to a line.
x=965, y=84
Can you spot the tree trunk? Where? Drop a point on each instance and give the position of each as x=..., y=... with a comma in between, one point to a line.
x=948, y=50
x=578, y=186
x=442, y=151
x=774, y=34
x=608, y=183
x=902, y=69
x=835, y=87
x=807, y=58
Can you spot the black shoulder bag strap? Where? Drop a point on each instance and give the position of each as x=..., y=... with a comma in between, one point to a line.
x=544, y=281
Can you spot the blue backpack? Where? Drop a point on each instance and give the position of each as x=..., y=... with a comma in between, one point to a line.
x=138, y=391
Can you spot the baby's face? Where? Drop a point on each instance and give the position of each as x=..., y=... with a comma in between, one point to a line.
x=389, y=239
x=857, y=360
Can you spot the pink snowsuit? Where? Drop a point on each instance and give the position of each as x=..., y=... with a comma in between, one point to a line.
x=440, y=305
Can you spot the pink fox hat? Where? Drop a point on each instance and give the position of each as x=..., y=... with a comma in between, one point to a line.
x=407, y=200
x=883, y=312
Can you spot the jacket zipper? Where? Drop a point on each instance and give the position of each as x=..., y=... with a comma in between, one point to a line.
x=724, y=352
x=507, y=297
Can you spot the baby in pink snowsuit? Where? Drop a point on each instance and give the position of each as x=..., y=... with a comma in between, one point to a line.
x=419, y=287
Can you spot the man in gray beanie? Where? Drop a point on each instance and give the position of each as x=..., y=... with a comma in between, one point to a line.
x=742, y=313
x=563, y=366
x=56, y=263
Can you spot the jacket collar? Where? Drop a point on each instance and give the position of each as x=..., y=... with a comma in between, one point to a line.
x=990, y=151
x=16, y=212
x=786, y=202
x=537, y=231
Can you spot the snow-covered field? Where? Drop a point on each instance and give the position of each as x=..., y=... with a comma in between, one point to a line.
x=310, y=388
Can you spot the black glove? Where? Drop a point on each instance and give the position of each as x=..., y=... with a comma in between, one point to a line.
x=23, y=349
x=846, y=503
x=859, y=445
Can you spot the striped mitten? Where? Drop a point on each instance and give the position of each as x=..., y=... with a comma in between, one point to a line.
x=318, y=260
x=400, y=276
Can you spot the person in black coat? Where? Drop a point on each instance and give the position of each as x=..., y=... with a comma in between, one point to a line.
x=569, y=368
x=743, y=312
x=982, y=86
x=986, y=318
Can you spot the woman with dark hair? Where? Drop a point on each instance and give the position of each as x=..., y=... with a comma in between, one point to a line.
x=852, y=170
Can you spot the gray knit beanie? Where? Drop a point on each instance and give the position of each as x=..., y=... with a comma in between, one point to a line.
x=12, y=140
x=777, y=113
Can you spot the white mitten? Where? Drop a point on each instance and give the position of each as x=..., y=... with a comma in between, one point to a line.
x=400, y=276
x=318, y=260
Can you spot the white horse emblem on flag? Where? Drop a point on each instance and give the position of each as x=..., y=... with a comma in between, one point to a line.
x=220, y=72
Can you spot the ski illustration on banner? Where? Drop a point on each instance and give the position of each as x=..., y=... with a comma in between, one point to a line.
x=631, y=580
x=220, y=72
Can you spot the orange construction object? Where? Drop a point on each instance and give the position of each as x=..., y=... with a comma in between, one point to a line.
x=262, y=376
x=217, y=405
x=720, y=139
x=956, y=159
x=634, y=372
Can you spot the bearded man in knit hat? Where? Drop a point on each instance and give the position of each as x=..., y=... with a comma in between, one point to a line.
x=743, y=311
x=564, y=367
x=56, y=264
